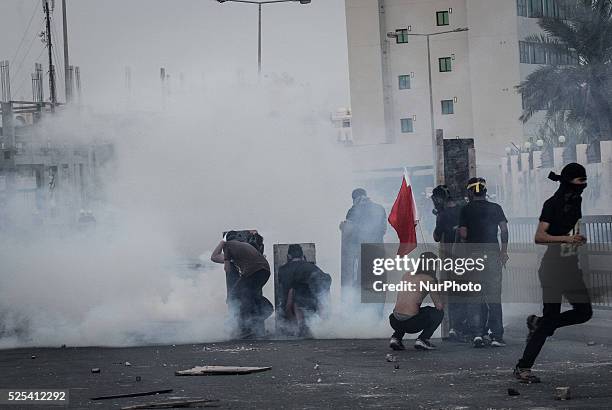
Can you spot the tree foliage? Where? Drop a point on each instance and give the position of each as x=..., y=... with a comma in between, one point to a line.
x=577, y=89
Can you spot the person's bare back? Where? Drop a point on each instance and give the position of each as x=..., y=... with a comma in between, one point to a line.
x=409, y=302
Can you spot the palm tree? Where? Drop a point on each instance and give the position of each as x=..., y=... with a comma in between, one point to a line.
x=576, y=83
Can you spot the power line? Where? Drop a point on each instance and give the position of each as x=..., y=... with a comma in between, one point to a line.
x=23, y=81
x=26, y=30
x=20, y=65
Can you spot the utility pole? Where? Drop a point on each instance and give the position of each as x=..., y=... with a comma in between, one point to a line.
x=259, y=7
x=259, y=43
x=67, y=71
x=77, y=78
x=49, y=49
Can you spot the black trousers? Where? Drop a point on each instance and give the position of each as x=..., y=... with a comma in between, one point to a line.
x=252, y=308
x=426, y=321
x=559, y=278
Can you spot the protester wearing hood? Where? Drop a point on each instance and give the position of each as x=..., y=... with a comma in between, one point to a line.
x=366, y=219
x=366, y=222
x=560, y=275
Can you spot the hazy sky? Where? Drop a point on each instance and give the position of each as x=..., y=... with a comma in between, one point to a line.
x=200, y=38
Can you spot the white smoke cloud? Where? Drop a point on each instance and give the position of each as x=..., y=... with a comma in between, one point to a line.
x=250, y=155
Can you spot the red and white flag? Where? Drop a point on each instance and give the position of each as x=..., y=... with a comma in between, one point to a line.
x=404, y=217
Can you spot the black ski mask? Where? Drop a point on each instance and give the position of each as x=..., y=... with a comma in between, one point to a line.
x=569, y=173
x=568, y=191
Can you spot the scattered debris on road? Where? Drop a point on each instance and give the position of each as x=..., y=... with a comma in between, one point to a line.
x=95, y=370
x=390, y=358
x=562, y=393
x=121, y=396
x=513, y=392
x=175, y=404
x=591, y=343
x=219, y=370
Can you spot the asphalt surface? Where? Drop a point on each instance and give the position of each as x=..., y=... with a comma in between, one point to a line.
x=350, y=374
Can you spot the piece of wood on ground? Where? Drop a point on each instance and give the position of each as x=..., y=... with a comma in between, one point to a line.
x=121, y=396
x=220, y=370
x=173, y=404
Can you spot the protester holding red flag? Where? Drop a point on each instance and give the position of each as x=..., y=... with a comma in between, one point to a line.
x=404, y=218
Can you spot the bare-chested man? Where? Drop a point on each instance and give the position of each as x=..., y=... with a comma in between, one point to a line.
x=410, y=317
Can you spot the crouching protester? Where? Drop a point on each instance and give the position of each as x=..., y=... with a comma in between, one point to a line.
x=409, y=316
x=560, y=274
x=304, y=293
x=250, y=272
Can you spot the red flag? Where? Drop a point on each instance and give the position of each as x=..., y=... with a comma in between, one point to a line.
x=404, y=218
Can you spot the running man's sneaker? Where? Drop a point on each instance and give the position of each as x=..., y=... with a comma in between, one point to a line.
x=421, y=344
x=452, y=335
x=478, y=342
x=525, y=375
x=532, y=324
x=396, y=344
x=497, y=342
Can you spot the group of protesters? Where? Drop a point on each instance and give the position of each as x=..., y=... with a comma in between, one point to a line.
x=477, y=224
x=303, y=286
x=478, y=318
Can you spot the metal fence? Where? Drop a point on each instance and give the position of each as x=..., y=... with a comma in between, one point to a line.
x=595, y=259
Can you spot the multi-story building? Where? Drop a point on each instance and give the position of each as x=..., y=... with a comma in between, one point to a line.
x=474, y=74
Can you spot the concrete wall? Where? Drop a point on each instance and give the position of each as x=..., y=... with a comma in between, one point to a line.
x=526, y=188
x=365, y=71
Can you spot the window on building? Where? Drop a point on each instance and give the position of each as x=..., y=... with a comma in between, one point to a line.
x=560, y=9
x=7, y=154
x=524, y=52
x=541, y=107
x=521, y=8
x=445, y=64
x=448, y=107
x=404, y=82
x=407, y=125
x=401, y=36
x=346, y=123
x=539, y=54
x=442, y=18
x=535, y=9
x=549, y=8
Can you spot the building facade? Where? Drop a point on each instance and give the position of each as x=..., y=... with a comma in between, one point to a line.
x=474, y=74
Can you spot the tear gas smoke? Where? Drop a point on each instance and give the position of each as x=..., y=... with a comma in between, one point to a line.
x=259, y=156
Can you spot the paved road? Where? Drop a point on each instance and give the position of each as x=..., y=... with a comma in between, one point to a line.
x=351, y=374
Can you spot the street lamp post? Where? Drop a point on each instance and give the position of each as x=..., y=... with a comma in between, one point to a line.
x=431, y=103
x=259, y=7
